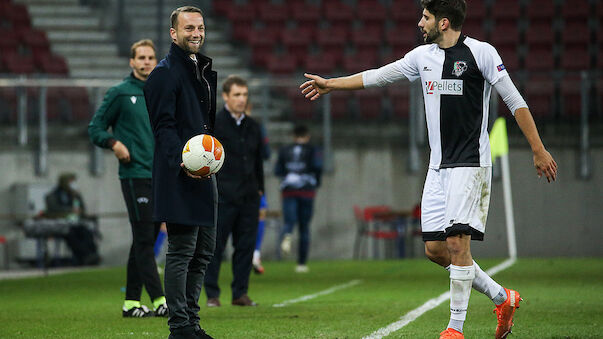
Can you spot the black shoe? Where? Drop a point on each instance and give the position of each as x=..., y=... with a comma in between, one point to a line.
x=187, y=332
x=200, y=333
x=137, y=312
x=162, y=311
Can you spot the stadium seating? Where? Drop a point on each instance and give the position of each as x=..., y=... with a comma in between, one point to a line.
x=506, y=11
x=370, y=103
x=399, y=97
x=302, y=108
x=321, y=63
x=338, y=14
x=405, y=12
x=540, y=93
x=571, y=95
x=304, y=14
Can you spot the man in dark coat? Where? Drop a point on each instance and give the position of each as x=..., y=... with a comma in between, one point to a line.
x=181, y=97
x=240, y=186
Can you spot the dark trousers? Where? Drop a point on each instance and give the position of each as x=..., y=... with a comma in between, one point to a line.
x=298, y=210
x=142, y=268
x=241, y=220
x=190, y=249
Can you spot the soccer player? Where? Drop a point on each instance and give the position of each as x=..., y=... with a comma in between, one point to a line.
x=457, y=73
x=124, y=110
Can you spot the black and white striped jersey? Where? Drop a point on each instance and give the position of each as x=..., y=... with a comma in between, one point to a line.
x=457, y=83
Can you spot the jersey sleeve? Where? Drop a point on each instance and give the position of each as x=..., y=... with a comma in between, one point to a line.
x=490, y=64
x=103, y=118
x=397, y=70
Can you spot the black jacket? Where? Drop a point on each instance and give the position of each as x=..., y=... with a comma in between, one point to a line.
x=181, y=104
x=242, y=174
x=299, y=166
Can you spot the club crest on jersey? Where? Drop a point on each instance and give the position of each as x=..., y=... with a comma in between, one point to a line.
x=459, y=68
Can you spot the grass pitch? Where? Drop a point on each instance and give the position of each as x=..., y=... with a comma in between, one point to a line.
x=563, y=299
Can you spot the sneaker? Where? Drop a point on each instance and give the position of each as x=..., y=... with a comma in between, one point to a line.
x=257, y=266
x=504, y=313
x=213, y=302
x=302, y=269
x=286, y=244
x=161, y=311
x=137, y=312
x=450, y=333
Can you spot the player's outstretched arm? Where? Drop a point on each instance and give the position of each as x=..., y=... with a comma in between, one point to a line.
x=543, y=160
x=317, y=86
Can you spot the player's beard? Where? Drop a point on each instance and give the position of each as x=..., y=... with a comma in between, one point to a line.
x=433, y=35
x=184, y=44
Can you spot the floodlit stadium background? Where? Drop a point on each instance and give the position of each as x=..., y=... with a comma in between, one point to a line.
x=68, y=52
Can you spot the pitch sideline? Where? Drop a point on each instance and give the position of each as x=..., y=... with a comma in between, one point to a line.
x=324, y=292
x=428, y=306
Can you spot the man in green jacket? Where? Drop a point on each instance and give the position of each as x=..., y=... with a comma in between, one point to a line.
x=124, y=110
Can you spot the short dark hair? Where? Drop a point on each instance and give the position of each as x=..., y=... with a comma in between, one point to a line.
x=454, y=10
x=139, y=43
x=233, y=80
x=300, y=131
x=177, y=11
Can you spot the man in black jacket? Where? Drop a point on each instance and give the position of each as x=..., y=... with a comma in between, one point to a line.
x=181, y=94
x=240, y=185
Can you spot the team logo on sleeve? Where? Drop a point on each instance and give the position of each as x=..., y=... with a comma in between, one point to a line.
x=459, y=68
x=500, y=67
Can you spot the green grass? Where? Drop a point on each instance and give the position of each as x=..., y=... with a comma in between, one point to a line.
x=563, y=299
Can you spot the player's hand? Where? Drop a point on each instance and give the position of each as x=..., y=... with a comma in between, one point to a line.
x=545, y=164
x=191, y=175
x=121, y=152
x=315, y=87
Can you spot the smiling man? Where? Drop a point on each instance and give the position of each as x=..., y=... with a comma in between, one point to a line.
x=457, y=73
x=124, y=110
x=181, y=97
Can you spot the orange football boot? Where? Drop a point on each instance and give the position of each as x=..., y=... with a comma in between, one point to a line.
x=450, y=333
x=504, y=313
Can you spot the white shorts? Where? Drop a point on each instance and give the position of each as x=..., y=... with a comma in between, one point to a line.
x=455, y=201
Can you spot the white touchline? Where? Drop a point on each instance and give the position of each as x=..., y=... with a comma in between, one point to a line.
x=428, y=306
x=312, y=296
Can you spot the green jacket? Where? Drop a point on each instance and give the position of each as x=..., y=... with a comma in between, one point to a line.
x=125, y=111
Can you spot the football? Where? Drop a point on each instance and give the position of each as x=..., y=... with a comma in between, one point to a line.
x=203, y=155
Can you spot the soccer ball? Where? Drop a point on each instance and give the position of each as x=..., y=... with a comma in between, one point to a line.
x=203, y=155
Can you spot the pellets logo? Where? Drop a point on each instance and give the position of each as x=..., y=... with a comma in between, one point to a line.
x=446, y=87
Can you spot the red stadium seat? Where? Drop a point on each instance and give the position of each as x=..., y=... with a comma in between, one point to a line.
x=303, y=109
x=510, y=58
x=506, y=11
x=281, y=64
x=296, y=42
x=367, y=37
x=405, y=12
x=223, y=7
x=79, y=102
x=576, y=34
x=540, y=10
x=337, y=13
x=576, y=11
x=19, y=64
x=340, y=104
x=17, y=14
x=273, y=15
x=360, y=61
x=9, y=43
x=369, y=103
x=575, y=60
x=51, y=63
x=505, y=35
x=305, y=14
x=539, y=61
x=475, y=29
x=332, y=41
x=371, y=13
x=242, y=15
x=36, y=40
x=571, y=96
x=540, y=92
x=540, y=35
x=399, y=98
x=402, y=37
x=320, y=64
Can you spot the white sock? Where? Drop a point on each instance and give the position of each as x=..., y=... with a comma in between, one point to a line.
x=461, y=278
x=256, y=255
x=483, y=283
